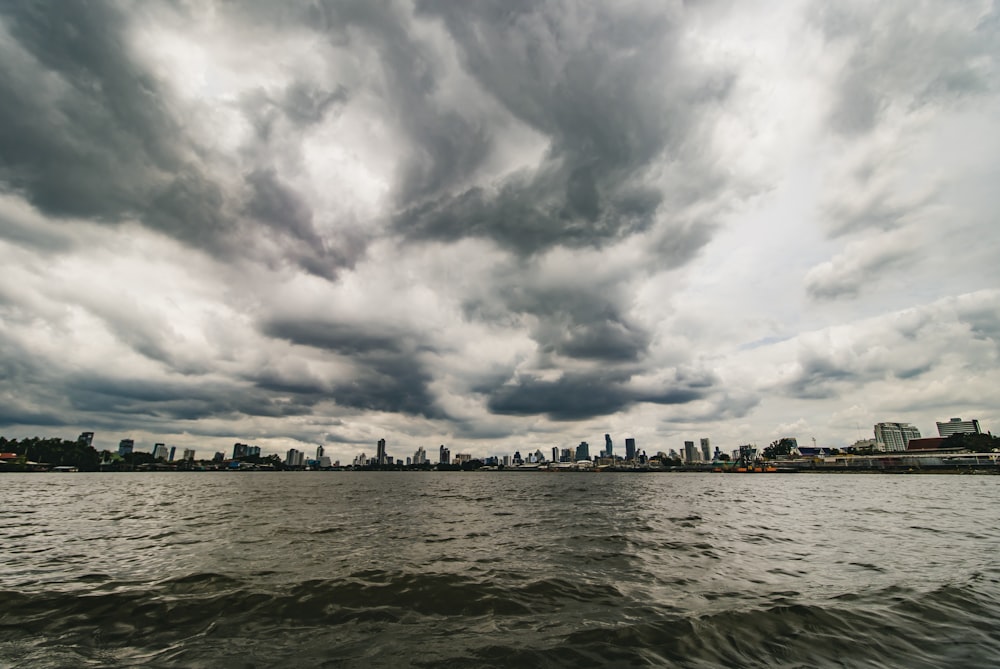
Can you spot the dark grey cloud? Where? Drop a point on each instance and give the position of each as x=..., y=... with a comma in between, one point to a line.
x=611, y=101
x=390, y=375
x=578, y=396
x=86, y=131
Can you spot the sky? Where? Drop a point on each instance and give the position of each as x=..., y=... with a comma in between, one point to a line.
x=497, y=226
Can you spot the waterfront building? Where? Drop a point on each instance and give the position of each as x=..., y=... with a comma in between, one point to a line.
x=555, y=454
x=189, y=454
x=361, y=460
x=462, y=458
x=583, y=451
x=319, y=452
x=894, y=436
x=173, y=451
x=444, y=455
x=420, y=457
x=609, y=450
x=219, y=456
x=958, y=426
x=86, y=438
x=240, y=450
x=706, y=449
x=690, y=455
x=253, y=451
x=539, y=456
x=630, y=448
x=295, y=458
x=160, y=451
x=380, y=456
x=125, y=447
x=506, y=461
x=517, y=459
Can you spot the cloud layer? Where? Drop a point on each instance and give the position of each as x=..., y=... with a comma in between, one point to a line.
x=496, y=225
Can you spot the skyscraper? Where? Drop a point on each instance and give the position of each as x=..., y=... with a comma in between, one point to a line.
x=319, y=451
x=958, y=426
x=630, y=448
x=444, y=455
x=125, y=446
x=86, y=438
x=189, y=454
x=555, y=454
x=160, y=451
x=690, y=455
x=609, y=449
x=173, y=451
x=895, y=436
x=380, y=457
x=706, y=449
x=583, y=451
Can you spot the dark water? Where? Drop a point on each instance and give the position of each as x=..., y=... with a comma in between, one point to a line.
x=498, y=570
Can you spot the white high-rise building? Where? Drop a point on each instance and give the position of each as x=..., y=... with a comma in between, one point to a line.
x=958, y=426
x=895, y=436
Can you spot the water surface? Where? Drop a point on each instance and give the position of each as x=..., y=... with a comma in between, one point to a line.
x=498, y=570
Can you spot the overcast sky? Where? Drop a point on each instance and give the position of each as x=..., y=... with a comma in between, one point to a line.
x=497, y=226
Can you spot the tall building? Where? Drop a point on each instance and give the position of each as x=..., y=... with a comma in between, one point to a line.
x=86, y=438
x=583, y=451
x=706, y=449
x=690, y=455
x=380, y=456
x=189, y=454
x=609, y=449
x=126, y=446
x=253, y=451
x=294, y=458
x=319, y=452
x=958, y=426
x=444, y=455
x=420, y=456
x=630, y=448
x=160, y=451
x=895, y=436
x=240, y=450
x=555, y=454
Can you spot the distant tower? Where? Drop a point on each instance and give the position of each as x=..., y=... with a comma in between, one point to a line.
x=583, y=451
x=319, y=451
x=630, y=448
x=555, y=454
x=173, y=451
x=125, y=446
x=609, y=449
x=380, y=457
x=86, y=438
x=444, y=455
x=690, y=455
x=706, y=449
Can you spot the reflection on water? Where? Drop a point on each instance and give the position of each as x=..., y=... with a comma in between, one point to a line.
x=498, y=569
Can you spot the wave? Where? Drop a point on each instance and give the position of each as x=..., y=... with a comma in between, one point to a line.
x=387, y=618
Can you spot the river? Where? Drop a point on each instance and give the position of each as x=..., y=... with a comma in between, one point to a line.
x=450, y=569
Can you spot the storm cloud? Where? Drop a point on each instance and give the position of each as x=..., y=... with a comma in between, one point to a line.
x=495, y=225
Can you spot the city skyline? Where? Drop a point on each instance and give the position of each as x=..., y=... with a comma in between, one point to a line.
x=497, y=228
